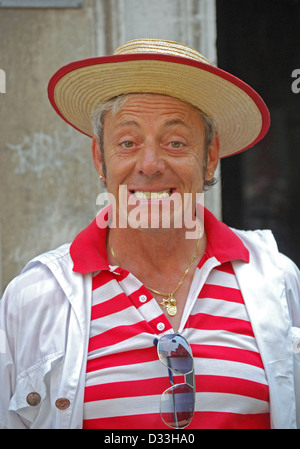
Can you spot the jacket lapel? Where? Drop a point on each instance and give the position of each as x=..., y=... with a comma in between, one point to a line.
x=262, y=286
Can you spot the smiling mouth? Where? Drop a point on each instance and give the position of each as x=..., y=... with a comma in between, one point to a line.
x=140, y=194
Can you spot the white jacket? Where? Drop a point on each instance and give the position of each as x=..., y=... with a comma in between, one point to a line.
x=44, y=332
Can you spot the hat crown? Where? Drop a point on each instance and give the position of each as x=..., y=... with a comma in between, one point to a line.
x=160, y=46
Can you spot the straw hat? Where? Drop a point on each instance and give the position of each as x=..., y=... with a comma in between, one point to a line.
x=162, y=67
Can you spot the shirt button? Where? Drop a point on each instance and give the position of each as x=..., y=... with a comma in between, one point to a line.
x=160, y=326
x=33, y=399
x=143, y=298
x=62, y=403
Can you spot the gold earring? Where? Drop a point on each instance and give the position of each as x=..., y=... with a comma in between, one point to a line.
x=100, y=177
x=210, y=174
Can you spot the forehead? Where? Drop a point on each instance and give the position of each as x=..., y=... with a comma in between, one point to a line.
x=157, y=107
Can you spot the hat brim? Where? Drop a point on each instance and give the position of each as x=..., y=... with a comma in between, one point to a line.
x=239, y=113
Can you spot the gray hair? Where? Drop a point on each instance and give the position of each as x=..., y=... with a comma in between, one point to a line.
x=115, y=105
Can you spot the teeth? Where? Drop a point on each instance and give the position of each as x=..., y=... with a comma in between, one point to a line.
x=152, y=195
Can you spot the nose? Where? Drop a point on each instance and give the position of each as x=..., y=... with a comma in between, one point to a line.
x=150, y=160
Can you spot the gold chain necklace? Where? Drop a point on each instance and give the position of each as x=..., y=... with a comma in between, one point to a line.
x=168, y=303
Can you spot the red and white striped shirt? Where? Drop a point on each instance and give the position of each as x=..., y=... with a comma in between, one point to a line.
x=125, y=379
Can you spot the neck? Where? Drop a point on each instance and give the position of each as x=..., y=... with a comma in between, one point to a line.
x=157, y=250
x=164, y=262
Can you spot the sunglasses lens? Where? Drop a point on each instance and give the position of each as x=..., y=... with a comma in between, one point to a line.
x=174, y=352
x=177, y=406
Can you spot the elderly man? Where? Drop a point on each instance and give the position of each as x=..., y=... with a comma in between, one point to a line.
x=138, y=323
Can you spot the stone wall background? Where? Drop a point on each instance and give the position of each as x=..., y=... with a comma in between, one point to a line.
x=48, y=182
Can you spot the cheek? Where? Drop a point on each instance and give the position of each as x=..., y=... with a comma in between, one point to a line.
x=192, y=177
x=192, y=169
x=118, y=168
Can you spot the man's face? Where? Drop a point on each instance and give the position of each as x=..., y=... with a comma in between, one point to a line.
x=155, y=147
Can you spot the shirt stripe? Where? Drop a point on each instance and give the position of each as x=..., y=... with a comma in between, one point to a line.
x=125, y=379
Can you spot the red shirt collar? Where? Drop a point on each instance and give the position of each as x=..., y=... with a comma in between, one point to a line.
x=88, y=250
x=222, y=242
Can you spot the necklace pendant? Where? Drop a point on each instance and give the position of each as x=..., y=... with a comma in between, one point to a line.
x=170, y=305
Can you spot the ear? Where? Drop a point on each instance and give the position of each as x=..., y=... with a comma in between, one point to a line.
x=97, y=156
x=213, y=156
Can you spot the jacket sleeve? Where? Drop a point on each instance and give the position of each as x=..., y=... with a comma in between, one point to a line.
x=292, y=288
x=8, y=322
x=33, y=314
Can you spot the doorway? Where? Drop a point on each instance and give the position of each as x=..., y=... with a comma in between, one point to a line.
x=258, y=41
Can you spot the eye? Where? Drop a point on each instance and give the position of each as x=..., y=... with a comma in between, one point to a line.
x=175, y=145
x=127, y=144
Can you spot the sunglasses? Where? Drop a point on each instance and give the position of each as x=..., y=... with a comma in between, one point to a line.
x=177, y=402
